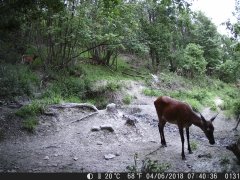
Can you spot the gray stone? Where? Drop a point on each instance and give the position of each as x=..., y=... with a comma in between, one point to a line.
x=107, y=127
x=109, y=156
x=95, y=128
x=111, y=108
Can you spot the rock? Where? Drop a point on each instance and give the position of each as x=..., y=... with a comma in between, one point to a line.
x=99, y=143
x=14, y=106
x=107, y=127
x=117, y=154
x=208, y=155
x=111, y=108
x=94, y=128
x=12, y=171
x=54, y=165
x=131, y=120
x=46, y=158
x=75, y=158
x=109, y=156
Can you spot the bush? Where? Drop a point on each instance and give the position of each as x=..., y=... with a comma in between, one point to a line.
x=127, y=99
x=148, y=165
x=69, y=87
x=227, y=71
x=152, y=92
x=16, y=80
x=30, y=124
x=193, y=62
x=153, y=166
x=30, y=110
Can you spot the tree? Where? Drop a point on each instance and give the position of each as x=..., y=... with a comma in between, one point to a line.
x=206, y=35
x=193, y=62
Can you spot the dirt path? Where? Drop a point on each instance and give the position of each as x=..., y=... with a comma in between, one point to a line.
x=105, y=143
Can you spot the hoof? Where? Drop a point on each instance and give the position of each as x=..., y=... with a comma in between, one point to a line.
x=183, y=158
x=163, y=145
x=190, y=152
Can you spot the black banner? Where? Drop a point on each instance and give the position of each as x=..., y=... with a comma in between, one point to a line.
x=126, y=176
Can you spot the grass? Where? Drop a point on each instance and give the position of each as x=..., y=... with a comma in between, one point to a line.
x=17, y=80
x=96, y=84
x=127, y=99
x=30, y=123
x=148, y=165
x=30, y=110
x=199, y=92
x=224, y=161
x=193, y=145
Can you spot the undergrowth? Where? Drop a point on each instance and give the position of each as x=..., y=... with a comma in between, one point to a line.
x=97, y=84
x=148, y=165
x=199, y=92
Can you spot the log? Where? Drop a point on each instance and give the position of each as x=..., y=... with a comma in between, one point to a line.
x=74, y=105
x=84, y=117
x=235, y=148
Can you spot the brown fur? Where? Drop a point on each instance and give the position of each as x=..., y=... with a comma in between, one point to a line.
x=180, y=113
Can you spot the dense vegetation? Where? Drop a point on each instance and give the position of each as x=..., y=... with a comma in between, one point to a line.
x=79, y=42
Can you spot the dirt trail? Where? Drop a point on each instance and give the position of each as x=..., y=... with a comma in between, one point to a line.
x=86, y=146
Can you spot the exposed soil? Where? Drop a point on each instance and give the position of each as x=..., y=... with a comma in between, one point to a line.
x=104, y=142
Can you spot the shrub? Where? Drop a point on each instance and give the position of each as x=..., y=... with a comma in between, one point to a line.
x=148, y=165
x=30, y=123
x=151, y=92
x=153, y=166
x=30, y=110
x=193, y=61
x=127, y=99
x=16, y=80
x=227, y=71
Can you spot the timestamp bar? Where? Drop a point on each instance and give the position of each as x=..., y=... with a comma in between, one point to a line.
x=166, y=176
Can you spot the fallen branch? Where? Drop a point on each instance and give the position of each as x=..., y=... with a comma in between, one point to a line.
x=238, y=118
x=84, y=117
x=153, y=151
x=74, y=105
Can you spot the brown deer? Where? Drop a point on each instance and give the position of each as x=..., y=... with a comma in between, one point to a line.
x=181, y=114
x=28, y=58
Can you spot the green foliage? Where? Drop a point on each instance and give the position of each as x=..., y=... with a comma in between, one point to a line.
x=133, y=168
x=193, y=145
x=127, y=99
x=30, y=123
x=153, y=166
x=151, y=92
x=148, y=165
x=16, y=80
x=31, y=110
x=193, y=61
x=224, y=161
x=227, y=71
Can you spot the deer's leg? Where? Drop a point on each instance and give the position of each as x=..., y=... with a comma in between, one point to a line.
x=182, y=139
x=161, y=125
x=189, y=147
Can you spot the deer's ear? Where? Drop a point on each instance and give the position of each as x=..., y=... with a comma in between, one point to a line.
x=212, y=119
x=204, y=120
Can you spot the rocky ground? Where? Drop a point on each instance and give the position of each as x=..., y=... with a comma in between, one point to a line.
x=81, y=139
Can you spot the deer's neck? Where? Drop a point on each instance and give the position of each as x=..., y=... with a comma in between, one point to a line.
x=197, y=121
